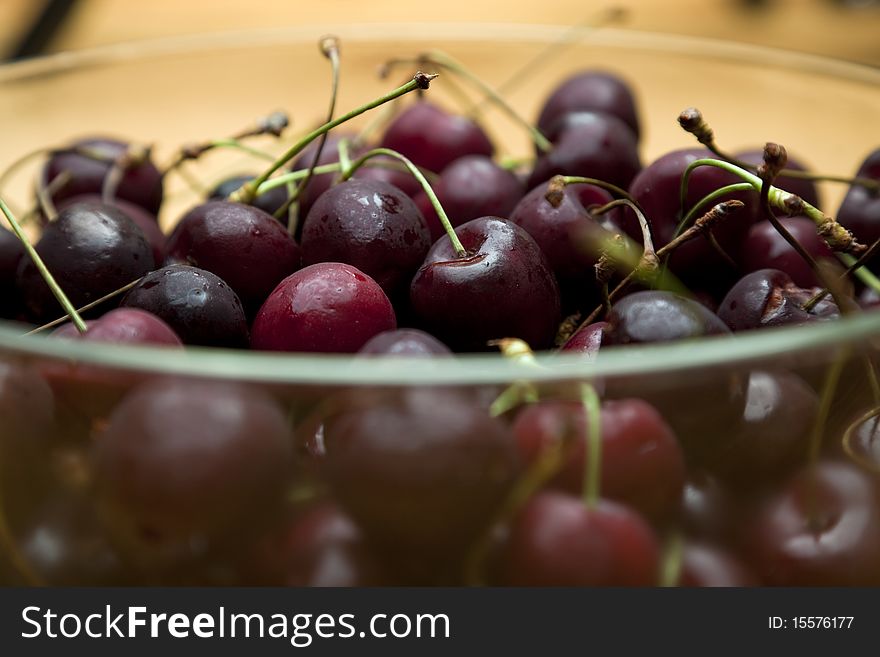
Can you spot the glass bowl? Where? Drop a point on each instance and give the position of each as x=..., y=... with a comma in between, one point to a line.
x=61, y=527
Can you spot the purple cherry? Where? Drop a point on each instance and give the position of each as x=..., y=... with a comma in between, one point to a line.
x=11, y=253
x=766, y=249
x=405, y=342
x=860, y=210
x=124, y=326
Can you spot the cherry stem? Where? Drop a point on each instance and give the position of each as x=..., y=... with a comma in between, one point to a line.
x=829, y=388
x=448, y=63
x=44, y=271
x=557, y=184
x=692, y=121
x=520, y=392
x=649, y=257
x=460, y=251
x=593, y=462
x=702, y=226
x=838, y=238
x=863, y=259
x=670, y=567
x=329, y=47
x=45, y=194
x=711, y=197
x=247, y=192
x=846, y=442
x=85, y=308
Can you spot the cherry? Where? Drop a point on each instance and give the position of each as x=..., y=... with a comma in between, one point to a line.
x=657, y=189
x=802, y=187
x=145, y=220
x=709, y=510
x=11, y=253
x=418, y=468
x=502, y=287
x=405, y=342
x=198, y=305
x=642, y=462
x=241, y=244
x=595, y=91
x=860, y=210
x=656, y=316
x=327, y=307
x=822, y=528
x=321, y=547
x=556, y=540
x=91, y=250
x=708, y=402
x=567, y=234
x=124, y=326
x=597, y=146
x=772, y=437
x=184, y=458
x=768, y=297
x=706, y=565
x=269, y=202
x=433, y=138
x=371, y=225
x=472, y=186
x=141, y=184
x=586, y=341
x=767, y=249
x=27, y=406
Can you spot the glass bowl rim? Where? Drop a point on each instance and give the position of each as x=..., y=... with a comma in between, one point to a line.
x=343, y=369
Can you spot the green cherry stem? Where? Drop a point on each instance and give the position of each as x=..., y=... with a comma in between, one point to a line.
x=460, y=251
x=85, y=308
x=247, y=192
x=44, y=271
x=556, y=186
x=673, y=553
x=593, y=463
x=838, y=238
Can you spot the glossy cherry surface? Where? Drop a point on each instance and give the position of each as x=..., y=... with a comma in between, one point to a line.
x=768, y=249
x=329, y=307
x=405, y=342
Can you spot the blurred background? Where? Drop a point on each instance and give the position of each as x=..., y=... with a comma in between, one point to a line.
x=847, y=29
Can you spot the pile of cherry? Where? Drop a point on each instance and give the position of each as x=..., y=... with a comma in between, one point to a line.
x=713, y=479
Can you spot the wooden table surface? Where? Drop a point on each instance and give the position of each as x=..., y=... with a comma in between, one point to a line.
x=816, y=26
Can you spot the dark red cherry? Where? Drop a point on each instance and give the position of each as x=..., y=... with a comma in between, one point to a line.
x=556, y=540
x=586, y=341
x=768, y=297
x=709, y=510
x=270, y=202
x=567, y=234
x=371, y=225
x=860, y=210
x=323, y=547
x=198, y=305
x=432, y=138
x=405, y=342
x=821, y=529
x=470, y=187
x=144, y=219
x=773, y=434
x=594, y=91
x=418, y=468
x=182, y=458
x=241, y=244
x=706, y=565
x=642, y=462
x=802, y=187
x=657, y=189
x=328, y=307
x=124, y=326
x=11, y=253
x=91, y=250
x=501, y=288
x=320, y=183
x=597, y=146
x=767, y=249
x=141, y=184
